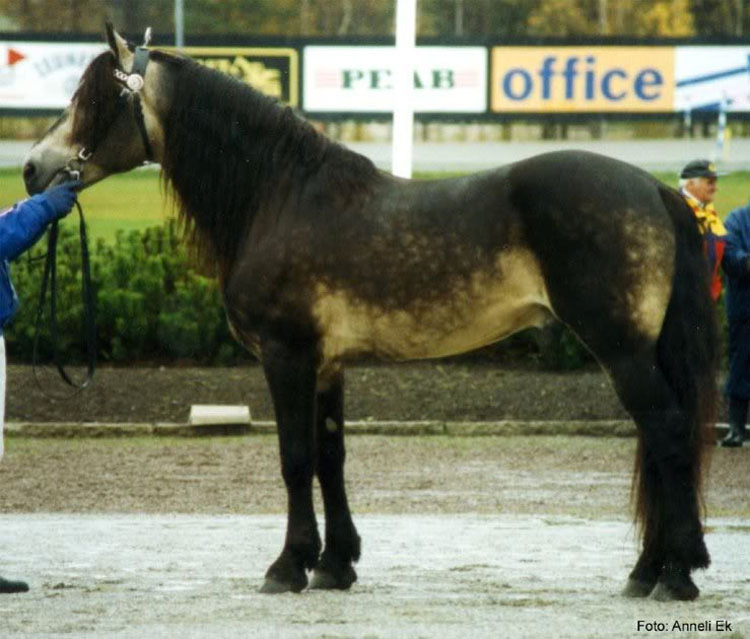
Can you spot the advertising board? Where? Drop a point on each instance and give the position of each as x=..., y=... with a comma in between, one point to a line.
x=360, y=79
x=271, y=70
x=583, y=79
x=41, y=75
x=707, y=75
x=36, y=75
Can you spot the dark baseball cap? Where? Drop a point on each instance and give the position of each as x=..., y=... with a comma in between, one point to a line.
x=699, y=168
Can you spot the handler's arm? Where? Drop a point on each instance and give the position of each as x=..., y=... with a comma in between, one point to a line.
x=23, y=224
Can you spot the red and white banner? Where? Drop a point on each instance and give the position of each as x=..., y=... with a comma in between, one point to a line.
x=36, y=75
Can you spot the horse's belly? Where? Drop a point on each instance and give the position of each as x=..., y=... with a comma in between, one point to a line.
x=480, y=310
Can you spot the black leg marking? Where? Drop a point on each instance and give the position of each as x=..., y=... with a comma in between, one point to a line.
x=334, y=569
x=291, y=375
x=673, y=536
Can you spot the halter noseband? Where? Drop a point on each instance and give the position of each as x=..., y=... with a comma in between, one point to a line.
x=132, y=84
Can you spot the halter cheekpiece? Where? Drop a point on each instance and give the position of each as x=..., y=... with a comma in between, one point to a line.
x=132, y=83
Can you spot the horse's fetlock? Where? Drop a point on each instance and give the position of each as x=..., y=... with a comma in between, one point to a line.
x=675, y=583
x=356, y=547
x=689, y=551
x=286, y=574
x=333, y=572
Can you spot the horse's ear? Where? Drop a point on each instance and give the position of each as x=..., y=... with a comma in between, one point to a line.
x=118, y=45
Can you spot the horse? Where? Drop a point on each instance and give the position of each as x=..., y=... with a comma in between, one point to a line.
x=322, y=258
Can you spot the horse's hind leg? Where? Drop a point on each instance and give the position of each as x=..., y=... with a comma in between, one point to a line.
x=673, y=542
x=342, y=545
x=291, y=374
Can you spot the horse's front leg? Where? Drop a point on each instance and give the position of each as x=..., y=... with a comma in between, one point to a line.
x=291, y=374
x=334, y=570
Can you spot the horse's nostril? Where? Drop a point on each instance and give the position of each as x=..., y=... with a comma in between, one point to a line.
x=29, y=171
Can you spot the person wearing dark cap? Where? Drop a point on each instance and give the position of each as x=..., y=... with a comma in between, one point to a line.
x=737, y=270
x=698, y=185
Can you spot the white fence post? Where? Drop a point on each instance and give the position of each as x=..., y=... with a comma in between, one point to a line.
x=403, y=88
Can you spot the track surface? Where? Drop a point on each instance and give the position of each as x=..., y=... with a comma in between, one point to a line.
x=437, y=576
x=169, y=538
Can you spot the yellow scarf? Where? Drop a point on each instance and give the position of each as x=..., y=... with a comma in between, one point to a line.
x=706, y=215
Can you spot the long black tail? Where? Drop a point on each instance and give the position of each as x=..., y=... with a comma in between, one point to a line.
x=687, y=348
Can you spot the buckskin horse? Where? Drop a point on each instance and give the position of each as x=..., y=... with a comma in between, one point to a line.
x=322, y=258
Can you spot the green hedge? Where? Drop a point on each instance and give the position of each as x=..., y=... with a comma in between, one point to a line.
x=151, y=303
x=153, y=306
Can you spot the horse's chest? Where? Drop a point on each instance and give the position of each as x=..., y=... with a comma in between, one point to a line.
x=473, y=311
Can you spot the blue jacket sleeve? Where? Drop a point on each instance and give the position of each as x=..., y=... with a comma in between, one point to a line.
x=736, y=261
x=23, y=224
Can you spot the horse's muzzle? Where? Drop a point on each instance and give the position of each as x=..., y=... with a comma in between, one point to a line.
x=30, y=178
x=37, y=181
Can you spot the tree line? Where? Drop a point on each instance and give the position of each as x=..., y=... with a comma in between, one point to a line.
x=436, y=18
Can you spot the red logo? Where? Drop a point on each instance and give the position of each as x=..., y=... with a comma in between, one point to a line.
x=14, y=57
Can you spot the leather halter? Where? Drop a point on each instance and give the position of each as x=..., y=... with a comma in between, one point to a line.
x=132, y=83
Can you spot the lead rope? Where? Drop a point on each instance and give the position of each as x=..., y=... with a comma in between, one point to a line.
x=133, y=83
x=50, y=278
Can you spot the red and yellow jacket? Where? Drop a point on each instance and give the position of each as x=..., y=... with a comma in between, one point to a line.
x=714, y=238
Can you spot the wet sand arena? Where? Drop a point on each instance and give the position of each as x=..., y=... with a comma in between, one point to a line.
x=436, y=576
x=163, y=538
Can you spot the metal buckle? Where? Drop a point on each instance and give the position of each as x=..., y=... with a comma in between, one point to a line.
x=134, y=82
x=84, y=155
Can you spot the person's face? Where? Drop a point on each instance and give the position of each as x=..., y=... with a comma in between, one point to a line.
x=703, y=189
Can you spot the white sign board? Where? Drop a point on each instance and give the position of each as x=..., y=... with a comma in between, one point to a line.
x=36, y=75
x=706, y=75
x=360, y=79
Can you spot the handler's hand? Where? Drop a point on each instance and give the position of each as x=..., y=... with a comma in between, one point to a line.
x=62, y=196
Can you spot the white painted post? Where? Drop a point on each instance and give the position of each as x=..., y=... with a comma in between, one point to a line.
x=179, y=24
x=721, y=130
x=403, y=88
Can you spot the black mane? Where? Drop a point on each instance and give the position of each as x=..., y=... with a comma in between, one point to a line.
x=231, y=152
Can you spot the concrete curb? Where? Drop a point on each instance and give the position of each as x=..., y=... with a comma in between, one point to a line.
x=505, y=428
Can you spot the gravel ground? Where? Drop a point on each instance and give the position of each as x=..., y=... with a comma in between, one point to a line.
x=422, y=576
x=166, y=537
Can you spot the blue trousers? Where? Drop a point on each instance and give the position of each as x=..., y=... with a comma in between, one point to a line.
x=738, y=384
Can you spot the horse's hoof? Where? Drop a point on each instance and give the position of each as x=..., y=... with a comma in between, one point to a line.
x=324, y=579
x=273, y=586
x=285, y=575
x=638, y=589
x=673, y=590
x=10, y=587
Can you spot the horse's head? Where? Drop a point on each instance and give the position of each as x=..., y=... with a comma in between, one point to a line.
x=111, y=125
